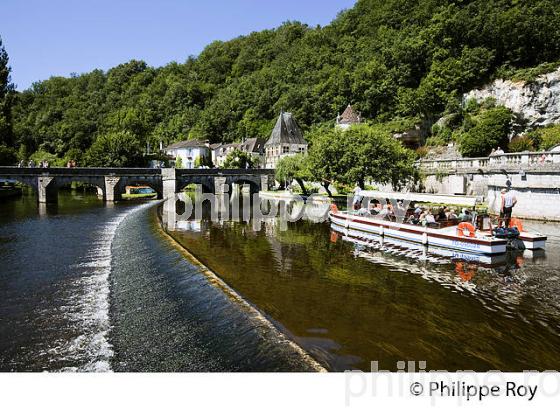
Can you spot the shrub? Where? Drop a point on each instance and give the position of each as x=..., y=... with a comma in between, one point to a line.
x=520, y=144
x=549, y=137
x=421, y=152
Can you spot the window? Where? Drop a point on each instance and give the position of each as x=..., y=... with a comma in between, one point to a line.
x=285, y=150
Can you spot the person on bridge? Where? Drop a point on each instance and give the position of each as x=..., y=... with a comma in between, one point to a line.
x=31, y=164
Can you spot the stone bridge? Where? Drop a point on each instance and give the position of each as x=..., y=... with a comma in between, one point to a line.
x=112, y=182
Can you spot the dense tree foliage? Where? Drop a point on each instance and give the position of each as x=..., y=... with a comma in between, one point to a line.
x=359, y=154
x=489, y=129
x=7, y=151
x=240, y=159
x=390, y=58
x=294, y=167
x=114, y=149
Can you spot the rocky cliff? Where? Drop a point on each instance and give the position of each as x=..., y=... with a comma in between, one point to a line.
x=537, y=102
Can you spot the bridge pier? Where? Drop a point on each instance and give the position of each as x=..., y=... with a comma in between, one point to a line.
x=47, y=190
x=169, y=182
x=111, y=193
x=264, y=182
x=220, y=185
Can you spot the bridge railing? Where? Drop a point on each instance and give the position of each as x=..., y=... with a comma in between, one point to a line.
x=520, y=160
x=126, y=171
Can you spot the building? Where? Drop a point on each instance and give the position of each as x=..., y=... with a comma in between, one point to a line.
x=221, y=151
x=348, y=118
x=191, y=152
x=255, y=147
x=286, y=139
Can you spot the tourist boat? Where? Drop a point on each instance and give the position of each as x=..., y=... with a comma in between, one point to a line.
x=462, y=237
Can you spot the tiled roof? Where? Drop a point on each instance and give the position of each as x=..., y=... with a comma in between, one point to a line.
x=253, y=145
x=349, y=116
x=187, y=144
x=286, y=131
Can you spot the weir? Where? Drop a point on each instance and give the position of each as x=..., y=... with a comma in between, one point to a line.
x=111, y=182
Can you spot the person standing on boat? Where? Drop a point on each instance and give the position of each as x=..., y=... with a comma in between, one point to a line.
x=508, y=202
x=357, y=201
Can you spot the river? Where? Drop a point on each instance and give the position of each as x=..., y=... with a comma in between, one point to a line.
x=86, y=286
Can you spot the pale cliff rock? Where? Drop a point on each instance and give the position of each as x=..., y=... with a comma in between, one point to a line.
x=537, y=102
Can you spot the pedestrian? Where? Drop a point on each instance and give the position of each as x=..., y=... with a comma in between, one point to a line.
x=508, y=202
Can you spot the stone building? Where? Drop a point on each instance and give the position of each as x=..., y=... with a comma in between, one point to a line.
x=286, y=139
x=252, y=146
x=348, y=118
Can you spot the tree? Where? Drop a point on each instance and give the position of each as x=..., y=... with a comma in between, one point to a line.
x=115, y=149
x=239, y=159
x=293, y=167
x=178, y=162
x=491, y=129
x=360, y=153
x=6, y=95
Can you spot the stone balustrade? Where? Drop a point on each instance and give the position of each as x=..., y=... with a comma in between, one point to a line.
x=518, y=161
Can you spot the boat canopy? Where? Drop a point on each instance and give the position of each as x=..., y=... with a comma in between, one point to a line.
x=461, y=200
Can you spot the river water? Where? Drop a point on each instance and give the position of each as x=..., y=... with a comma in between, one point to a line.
x=90, y=287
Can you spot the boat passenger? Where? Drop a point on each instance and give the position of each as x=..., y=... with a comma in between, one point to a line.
x=442, y=214
x=427, y=218
x=465, y=215
x=451, y=215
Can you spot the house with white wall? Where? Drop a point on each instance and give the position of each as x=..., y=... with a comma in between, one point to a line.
x=191, y=152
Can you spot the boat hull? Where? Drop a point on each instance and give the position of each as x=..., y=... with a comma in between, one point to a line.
x=421, y=235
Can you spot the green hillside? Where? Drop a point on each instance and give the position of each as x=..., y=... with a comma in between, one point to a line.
x=389, y=58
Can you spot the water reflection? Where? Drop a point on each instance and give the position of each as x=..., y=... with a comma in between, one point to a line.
x=349, y=302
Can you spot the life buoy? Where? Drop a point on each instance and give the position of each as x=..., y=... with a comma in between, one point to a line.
x=334, y=208
x=466, y=226
x=514, y=222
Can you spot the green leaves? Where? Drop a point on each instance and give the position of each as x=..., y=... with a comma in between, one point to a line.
x=239, y=159
x=358, y=154
x=491, y=129
x=115, y=149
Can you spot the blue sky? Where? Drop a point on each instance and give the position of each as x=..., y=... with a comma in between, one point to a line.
x=57, y=37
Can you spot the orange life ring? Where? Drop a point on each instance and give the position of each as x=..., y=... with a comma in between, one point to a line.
x=514, y=222
x=334, y=208
x=466, y=226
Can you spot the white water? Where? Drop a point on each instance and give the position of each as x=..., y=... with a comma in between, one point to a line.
x=87, y=305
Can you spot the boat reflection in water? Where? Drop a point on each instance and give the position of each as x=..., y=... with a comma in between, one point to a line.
x=466, y=265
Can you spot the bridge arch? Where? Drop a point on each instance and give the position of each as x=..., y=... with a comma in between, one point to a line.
x=253, y=182
x=206, y=183
x=30, y=182
x=155, y=184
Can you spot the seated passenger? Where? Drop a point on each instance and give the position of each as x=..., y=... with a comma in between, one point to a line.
x=451, y=215
x=465, y=215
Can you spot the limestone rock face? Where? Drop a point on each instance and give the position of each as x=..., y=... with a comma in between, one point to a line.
x=537, y=102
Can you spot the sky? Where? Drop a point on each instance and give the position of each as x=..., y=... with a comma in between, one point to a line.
x=59, y=37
